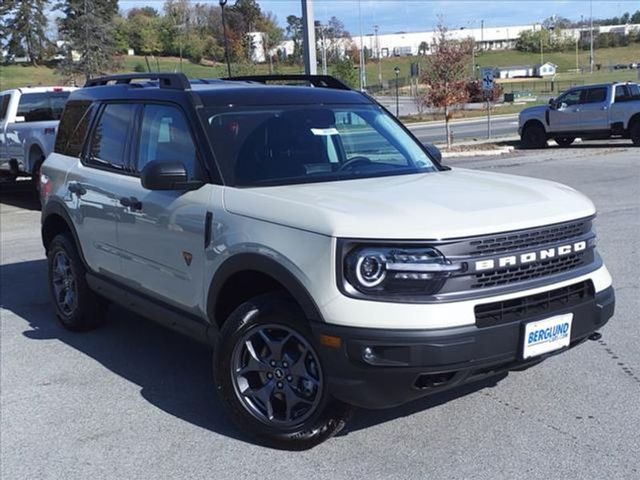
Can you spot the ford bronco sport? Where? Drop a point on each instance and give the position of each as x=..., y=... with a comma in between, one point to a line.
x=302, y=231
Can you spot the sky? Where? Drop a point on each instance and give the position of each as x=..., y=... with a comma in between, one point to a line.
x=420, y=15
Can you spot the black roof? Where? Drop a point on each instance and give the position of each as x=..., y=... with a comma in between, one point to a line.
x=234, y=91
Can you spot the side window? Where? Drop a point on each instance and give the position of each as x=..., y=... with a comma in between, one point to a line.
x=110, y=136
x=165, y=137
x=595, y=95
x=570, y=98
x=634, y=91
x=73, y=128
x=621, y=94
x=4, y=105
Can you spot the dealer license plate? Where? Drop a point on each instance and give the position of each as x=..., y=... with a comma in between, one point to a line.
x=547, y=335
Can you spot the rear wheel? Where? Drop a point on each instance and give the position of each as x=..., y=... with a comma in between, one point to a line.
x=77, y=307
x=270, y=377
x=534, y=136
x=564, y=141
x=635, y=133
x=38, y=160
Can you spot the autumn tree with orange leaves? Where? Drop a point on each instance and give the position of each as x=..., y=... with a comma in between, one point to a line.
x=445, y=76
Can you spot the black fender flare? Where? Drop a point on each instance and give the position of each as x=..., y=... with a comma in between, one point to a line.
x=56, y=207
x=242, y=262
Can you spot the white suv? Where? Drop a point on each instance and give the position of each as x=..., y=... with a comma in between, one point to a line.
x=304, y=233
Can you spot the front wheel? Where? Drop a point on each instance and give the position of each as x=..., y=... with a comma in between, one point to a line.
x=534, y=136
x=564, y=141
x=271, y=379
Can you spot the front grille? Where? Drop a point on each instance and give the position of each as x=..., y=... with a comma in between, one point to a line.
x=530, y=271
x=530, y=238
x=547, y=303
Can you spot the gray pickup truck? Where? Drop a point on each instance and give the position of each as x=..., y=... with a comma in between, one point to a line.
x=29, y=120
x=588, y=112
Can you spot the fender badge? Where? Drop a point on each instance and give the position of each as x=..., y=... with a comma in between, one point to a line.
x=187, y=258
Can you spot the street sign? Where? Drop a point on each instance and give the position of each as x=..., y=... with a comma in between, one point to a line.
x=487, y=79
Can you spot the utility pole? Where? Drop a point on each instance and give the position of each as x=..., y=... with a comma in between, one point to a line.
x=309, y=38
x=323, y=46
x=541, y=45
x=363, y=78
x=591, y=59
x=375, y=29
x=224, y=34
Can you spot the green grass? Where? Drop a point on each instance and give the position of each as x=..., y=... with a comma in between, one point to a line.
x=18, y=75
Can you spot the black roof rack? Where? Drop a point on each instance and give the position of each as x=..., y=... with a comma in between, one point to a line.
x=174, y=81
x=322, y=81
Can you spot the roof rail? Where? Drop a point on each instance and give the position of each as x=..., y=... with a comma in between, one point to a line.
x=321, y=81
x=174, y=81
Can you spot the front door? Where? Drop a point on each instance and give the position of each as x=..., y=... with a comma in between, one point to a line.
x=565, y=117
x=162, y=233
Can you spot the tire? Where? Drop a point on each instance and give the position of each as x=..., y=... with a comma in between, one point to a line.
x=564, y=141
x=284, y=405
x=534, y=136
x=634, y=133
x=35, y=172
x=77, y=307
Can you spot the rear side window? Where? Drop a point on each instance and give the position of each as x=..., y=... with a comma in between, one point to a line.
x=40, y=107
x=4, y=105
x=73, y=128
x=595, y=95
x=621, y=93
x=109, y=139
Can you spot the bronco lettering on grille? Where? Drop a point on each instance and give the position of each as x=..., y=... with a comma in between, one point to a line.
x=530, y=257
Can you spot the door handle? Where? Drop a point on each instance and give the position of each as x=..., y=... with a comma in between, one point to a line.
x=603, y=108
x=577, y=109
x=76, y=188
x=131, y=202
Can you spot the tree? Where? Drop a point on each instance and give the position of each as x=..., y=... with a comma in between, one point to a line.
x=87, y=27
x=294, y=32
x=344, y=69
x=272, y=36
x=25, y=28
x=635, y=18
x=423, y=48
x=250, y=12
x=445, y=75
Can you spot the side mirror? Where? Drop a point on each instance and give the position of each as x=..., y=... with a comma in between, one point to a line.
x=433, y=151
x=167, y=176
x=552, y=102
x=20, y=119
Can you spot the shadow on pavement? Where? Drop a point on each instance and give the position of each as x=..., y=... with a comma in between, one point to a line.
x=19, y=194
x=586, y=145
x=173, y=372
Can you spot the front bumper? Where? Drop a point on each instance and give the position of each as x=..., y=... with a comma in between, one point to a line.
x=403, y=365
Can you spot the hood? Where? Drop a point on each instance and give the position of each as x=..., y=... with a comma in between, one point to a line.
x=441, y=205
x=534, y=111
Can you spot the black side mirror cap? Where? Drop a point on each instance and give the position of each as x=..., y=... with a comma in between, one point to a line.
x=552, y=102
x=167, y=176
x=433, y=151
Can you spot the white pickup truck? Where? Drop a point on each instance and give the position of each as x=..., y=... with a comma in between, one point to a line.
x=29, y=120
x=589, y=112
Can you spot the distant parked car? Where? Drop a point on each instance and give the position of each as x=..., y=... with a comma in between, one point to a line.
x=588, y=112
x=29, y=120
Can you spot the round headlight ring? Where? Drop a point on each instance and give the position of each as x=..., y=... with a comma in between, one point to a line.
x=371, y=269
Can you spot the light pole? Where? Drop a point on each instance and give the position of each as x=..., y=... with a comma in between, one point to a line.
x=591, y=59
x=323, y=46
x=224, y=34
x=375, y=29
x=396, y=70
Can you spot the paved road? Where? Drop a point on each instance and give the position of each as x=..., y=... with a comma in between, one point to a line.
x=466, y=130
x=133, y=401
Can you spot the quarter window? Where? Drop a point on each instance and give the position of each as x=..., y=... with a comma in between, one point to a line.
x=73, y=128
x=165, y=137
x=110, y=136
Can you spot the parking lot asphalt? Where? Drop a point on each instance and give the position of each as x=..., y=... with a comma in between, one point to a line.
x=134, y=401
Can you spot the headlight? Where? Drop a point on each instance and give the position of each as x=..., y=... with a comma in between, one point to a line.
x=387, y=271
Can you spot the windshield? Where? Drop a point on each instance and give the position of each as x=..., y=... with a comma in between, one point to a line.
x=260, y=146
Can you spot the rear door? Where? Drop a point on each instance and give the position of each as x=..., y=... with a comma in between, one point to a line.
x=94, y=185
x=566, y=116
x=162, y=235
x=594, y=109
